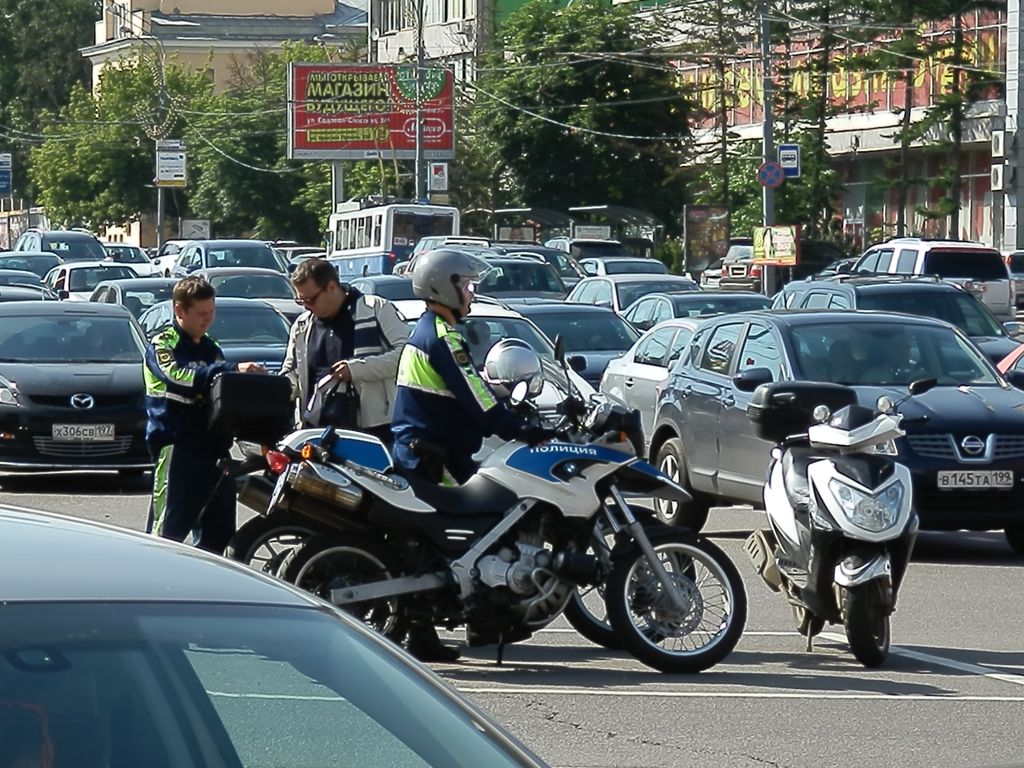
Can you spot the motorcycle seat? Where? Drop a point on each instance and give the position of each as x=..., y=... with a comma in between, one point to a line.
x=478, y=496
x=794, y=476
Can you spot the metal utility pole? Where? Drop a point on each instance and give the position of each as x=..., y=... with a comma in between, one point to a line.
x=1013, y=191
x=419, y=100
x=767, y=123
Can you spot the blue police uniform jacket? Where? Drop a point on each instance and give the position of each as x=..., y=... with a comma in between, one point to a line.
x=442, y=399
x=178, y=372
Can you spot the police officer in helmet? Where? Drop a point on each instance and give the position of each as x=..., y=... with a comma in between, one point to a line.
x=443, y=408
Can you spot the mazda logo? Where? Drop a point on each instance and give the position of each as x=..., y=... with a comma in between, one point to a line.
x=82, y=401
x=972, y=445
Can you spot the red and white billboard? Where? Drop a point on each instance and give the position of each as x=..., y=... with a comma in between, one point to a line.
x=361, y=111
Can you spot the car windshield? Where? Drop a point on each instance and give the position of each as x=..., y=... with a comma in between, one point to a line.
x=588, y=331
x=258, y=326
x=958, y=309
x=87, y=278
x=138, y=300
x=561, y=262
x=961, y=263
x=69, y=339
x=583, y=249
x=74, y=248
x=169, y=685
x=243, y=256
x=635, y=267
x=701, y=304
x=253, y=286
x=482, y=333
x=739, y=252
x=392, y=290
x=527, y=277
x=630, y=292
x=888, y=354
x=127, y=254
x=38, y=264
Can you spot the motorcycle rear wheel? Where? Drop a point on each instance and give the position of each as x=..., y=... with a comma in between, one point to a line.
x=657, y=633
x=263, y=543
x=329, y=561
x=867, y=624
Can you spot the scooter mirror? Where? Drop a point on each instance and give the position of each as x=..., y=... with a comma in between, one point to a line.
x=518, y=394
x=885, y=404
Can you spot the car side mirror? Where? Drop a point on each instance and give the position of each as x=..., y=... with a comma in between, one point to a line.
x=921, y=386
x=751, y=378
x=292, y=266
x=63, y=294
x=1016, y=378
x=191, y=267
x=1013, y=327
x=578, y=363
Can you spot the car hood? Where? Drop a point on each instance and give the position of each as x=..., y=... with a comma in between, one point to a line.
x=964, y=410
x=68, y=378
x=240, y=353
x=286, y=307
x=557, y=295
x=995, y=348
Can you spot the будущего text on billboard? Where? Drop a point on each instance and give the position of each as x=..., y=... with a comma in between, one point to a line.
x=361, y=111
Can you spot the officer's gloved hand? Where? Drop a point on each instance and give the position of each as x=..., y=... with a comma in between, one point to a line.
x=536, y=435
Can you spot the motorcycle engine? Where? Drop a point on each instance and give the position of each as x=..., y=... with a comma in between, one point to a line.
x=515, y=568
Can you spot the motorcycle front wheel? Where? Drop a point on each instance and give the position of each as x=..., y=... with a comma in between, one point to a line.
x=652, y=628
x=332, y=561
x=867, y=624
x=263, y=543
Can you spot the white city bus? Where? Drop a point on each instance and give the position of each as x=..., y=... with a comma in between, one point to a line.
x=370, y=240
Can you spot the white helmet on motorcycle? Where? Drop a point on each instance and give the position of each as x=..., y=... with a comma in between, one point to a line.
x=509, y=362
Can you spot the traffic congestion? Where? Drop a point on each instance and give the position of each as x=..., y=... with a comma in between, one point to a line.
x=561, y=476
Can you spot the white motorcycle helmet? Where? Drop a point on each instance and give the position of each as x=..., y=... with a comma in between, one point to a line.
x=509, y=362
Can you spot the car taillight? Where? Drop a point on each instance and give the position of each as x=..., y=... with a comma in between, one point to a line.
x=392, y=257
x=277, y=462
x=755, y=270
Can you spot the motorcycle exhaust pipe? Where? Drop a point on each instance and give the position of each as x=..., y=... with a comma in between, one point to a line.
x=342, y=492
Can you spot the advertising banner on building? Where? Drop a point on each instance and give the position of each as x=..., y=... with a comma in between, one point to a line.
x=367, y=111
x=705, y=235
x=777, y=245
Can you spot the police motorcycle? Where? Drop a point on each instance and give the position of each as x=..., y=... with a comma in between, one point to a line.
x=503, y=553
x=841, y=519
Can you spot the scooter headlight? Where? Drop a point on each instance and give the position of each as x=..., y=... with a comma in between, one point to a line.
x=871, y=512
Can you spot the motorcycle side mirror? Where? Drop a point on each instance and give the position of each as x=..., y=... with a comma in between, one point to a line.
x=518, y=394
x=921, y=386
x=560, y=350
x=750, y=379
x=578, y=363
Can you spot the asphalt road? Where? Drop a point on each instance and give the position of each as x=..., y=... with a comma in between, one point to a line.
x=952, y=694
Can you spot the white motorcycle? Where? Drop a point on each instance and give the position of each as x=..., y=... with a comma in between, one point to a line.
x=840, y=509
x=503, y=554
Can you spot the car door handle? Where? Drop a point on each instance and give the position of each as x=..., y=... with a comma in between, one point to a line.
x=686, y=390
x=728, y=401
x=629, y=382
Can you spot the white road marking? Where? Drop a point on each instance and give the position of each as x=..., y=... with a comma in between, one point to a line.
x=630, y=693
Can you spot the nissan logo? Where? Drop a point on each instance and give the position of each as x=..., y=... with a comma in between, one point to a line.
x=82, y=401
x=972, y=445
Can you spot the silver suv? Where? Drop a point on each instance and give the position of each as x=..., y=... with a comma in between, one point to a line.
x=979, y=269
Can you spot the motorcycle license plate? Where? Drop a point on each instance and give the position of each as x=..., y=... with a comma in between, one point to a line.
x=975, y=480
x=282, y=482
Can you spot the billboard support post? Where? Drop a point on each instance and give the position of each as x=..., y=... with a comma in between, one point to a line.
x=419, y=100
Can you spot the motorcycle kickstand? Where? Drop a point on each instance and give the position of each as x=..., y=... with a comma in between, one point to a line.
x=501, y=649
x=810, y=641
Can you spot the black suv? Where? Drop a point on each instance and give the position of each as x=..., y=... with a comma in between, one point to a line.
x=69, y=245
x=966, y=454
x=921, y=296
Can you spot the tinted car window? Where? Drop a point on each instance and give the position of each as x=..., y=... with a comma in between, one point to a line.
x=588, y=331
x=630, y=292
x=817, y=300
x=958, y=309
x=654, y=349
x=1017, y=262
x=249, y=325
x=77, y=339
x=697, y=304
x=138, y=300
x=635, y=267
x=38, y=264
x=126, y=254
x=975, y=265
x=87, y=278
x=761, y=350
x=392, y=290
x=580, y=250
x=243, y=256
x=718, y=353
x=482, y=333
x=73, y=248
x=253, y=286
x=525, y=277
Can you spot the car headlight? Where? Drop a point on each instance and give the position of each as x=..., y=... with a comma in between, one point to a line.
x=870, y=512
x=9, y=393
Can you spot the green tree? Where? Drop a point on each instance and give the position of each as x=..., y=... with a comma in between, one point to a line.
x=578, y=114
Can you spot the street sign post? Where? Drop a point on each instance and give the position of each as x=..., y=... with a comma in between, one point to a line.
x=6, y=182
x=770, y=175
x=171, y=163
x=438, y=177
x=789, y=159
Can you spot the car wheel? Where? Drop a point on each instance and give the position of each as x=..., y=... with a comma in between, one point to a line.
x=1015, y=538
x=672, y=461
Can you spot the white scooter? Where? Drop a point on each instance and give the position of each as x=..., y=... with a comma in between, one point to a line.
x=840, y=509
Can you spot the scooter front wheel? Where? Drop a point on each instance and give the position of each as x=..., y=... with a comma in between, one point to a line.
x=867, y=624
x=675, y=638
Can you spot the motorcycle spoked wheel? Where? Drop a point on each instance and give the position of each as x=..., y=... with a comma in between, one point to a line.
x=263, y=543
x=656, y=632
x=867, y=624
x=331, y=561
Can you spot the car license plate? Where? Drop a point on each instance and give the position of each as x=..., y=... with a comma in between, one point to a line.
x=83, y=433
x=959, y=480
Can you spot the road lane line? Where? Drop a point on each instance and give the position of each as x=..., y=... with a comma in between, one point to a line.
x=624, y=693
x=942, y=661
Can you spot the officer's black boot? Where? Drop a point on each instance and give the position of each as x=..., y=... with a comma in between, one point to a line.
x=425, y=645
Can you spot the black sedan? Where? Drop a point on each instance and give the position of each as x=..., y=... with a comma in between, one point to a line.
x=593, y=336
x=38, y=263
x=71, y=388
x=658, y=307
x=121, y=649
x=246, y=329
x=967, y=457
x=20, y=277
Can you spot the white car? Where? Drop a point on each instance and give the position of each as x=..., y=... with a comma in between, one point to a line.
x=168, y=254
x=76, y=280
x=132, y=256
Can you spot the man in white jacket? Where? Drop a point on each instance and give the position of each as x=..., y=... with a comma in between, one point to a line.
x=343, y=353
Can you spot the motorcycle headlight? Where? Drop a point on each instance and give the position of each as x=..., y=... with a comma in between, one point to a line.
x=888, y=448
x=870, y=512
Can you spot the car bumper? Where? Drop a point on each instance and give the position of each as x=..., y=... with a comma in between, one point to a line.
x=27, y=442
x=740, y=284
x=972, y=510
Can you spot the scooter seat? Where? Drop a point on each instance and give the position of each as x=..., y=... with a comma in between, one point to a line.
x=794, y=477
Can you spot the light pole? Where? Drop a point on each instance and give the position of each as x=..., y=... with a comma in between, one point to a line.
x=419, y=100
